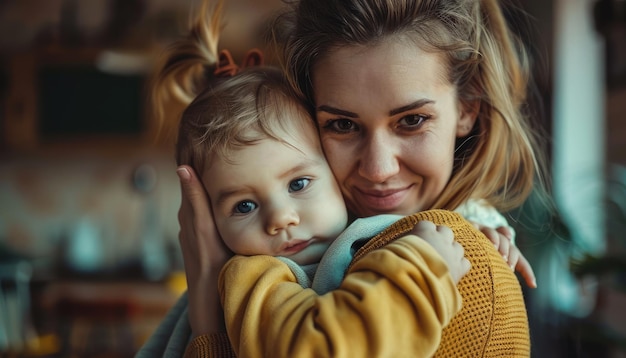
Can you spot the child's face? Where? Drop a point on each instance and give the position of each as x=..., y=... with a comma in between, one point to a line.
x=275, y=199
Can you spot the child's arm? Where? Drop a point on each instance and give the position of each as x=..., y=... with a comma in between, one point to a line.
x=393, y=301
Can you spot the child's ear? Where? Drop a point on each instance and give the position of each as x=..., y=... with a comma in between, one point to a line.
x=468, y=112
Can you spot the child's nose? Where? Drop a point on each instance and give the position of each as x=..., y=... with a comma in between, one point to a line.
x=281, y=218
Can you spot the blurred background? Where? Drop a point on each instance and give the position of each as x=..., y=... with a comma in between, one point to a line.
x=89, y=258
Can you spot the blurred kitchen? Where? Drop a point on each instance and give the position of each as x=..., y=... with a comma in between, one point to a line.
x=89, y=258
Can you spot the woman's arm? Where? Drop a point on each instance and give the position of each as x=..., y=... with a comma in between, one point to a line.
x=204, y=255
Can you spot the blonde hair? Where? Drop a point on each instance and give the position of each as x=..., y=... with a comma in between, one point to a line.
x=222, y=112
x=485, y=61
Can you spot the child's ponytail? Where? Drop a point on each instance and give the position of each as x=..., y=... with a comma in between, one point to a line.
x=187, y=66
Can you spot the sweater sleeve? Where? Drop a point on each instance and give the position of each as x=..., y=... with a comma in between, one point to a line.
x=372, y=313
x=210, y=345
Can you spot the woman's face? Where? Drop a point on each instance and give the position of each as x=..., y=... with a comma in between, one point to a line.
x=388, y=121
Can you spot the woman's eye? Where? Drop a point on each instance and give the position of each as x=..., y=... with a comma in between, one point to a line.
x=244, y=207
x=413, y=120
x=298, y=184
x=341, y=125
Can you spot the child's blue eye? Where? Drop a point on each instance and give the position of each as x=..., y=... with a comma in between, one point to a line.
x=245, y=207
x=298, y=184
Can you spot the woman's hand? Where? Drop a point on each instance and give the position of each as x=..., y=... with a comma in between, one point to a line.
x=441, y=238
x=204, y=255
x=501, y=237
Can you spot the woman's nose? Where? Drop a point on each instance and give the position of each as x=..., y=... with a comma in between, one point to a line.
x=378, y=161
x=281, y=217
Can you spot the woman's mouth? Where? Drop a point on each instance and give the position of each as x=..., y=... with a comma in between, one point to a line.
x=381, y=200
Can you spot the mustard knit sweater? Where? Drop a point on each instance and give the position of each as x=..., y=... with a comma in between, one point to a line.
x=390, y=303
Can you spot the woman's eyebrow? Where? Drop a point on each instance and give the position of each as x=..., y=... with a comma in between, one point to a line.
x=410, y=106
x=393, y=112
x=336, y=111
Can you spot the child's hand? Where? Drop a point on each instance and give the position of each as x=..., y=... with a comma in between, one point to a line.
x=501, y=237
x=204, y=255
x=441, y=239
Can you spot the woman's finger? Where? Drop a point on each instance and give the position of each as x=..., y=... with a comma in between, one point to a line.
x=514, y=256
x=524, y=268
x=193, y=194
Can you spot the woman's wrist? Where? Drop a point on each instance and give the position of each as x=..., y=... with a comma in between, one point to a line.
x=205, y=310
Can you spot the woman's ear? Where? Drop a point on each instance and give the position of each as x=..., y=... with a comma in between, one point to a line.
x=468, y=112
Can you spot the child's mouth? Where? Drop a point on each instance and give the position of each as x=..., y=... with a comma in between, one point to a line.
x=294, y=246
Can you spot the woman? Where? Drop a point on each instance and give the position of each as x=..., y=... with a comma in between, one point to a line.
x=418, y=107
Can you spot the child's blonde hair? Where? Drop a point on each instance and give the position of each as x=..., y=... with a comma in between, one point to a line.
x=237, y=112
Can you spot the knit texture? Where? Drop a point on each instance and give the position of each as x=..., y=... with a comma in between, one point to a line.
x=493, y=321
x=216, y=347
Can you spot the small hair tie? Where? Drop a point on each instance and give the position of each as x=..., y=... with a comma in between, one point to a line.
x=226, y=66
